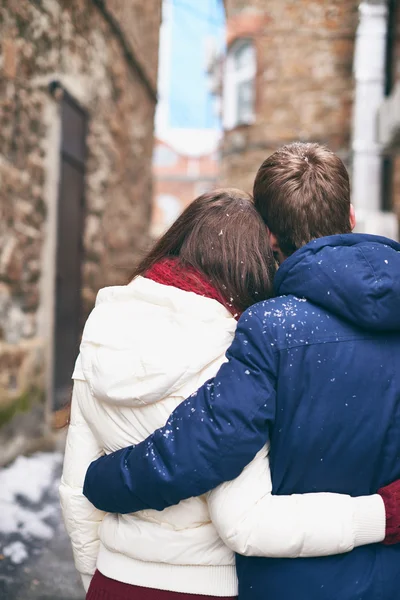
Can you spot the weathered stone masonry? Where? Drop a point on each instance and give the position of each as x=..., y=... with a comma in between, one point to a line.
x=304, y=83
x=321, y=70
x=104, y=54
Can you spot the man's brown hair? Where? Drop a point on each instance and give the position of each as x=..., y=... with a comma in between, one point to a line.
x=302, y=192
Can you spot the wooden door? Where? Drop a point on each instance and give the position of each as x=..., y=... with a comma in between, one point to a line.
x=69, y=247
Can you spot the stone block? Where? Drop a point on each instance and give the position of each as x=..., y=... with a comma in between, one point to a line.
x=10, y=57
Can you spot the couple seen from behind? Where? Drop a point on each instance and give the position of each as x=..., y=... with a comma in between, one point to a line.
x=235, y=419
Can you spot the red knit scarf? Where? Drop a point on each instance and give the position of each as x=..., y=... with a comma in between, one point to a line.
x=170, y=271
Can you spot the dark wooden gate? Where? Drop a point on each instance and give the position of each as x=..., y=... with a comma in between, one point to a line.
x=69, y=246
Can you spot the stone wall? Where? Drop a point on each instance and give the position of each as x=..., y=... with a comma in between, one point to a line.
x=104, y=53
x=304, y=84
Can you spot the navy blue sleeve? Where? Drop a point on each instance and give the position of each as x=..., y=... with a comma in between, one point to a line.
x=207, y=440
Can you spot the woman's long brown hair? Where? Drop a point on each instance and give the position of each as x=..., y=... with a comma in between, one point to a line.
x=222, y=235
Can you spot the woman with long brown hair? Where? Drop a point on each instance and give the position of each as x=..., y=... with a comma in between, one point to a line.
x=146, y=347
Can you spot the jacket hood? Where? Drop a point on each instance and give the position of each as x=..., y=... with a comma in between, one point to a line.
x=354, y=276
x=143, y=342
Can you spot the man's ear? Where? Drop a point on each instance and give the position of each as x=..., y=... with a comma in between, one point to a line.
x=353, y=220
x=273, y=241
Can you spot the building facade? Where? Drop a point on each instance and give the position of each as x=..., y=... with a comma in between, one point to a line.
x=389, y=113
x=77, y=102
x=311, y=71
x=178, y=180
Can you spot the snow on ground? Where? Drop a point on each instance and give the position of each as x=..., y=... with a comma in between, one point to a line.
x=23, y=487
x=35, y=552
x=16, y=552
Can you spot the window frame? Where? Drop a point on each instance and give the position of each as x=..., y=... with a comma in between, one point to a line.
x=233, y=78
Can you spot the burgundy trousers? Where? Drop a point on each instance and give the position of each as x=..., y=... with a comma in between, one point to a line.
x=103, y=588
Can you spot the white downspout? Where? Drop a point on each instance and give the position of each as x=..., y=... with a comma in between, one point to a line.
x=369, y=73
x=164, y=70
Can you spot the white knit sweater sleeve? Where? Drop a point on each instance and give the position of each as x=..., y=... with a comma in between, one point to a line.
x=81, y=518
x=253, y=522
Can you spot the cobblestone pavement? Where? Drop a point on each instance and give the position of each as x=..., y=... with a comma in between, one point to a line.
x=36, y=559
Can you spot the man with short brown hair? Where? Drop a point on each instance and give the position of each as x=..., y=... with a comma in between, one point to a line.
x=314, y=372
x=302, y=192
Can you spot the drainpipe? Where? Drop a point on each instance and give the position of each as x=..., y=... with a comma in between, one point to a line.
x=370, y=80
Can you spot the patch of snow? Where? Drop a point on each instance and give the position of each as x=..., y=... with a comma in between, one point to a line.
x=16, y=552
x=22, y=488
